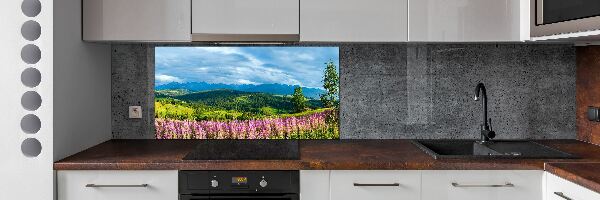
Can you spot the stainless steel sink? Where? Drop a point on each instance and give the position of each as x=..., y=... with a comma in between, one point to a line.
x=495, y=149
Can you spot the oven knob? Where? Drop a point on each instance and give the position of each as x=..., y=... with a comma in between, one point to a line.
x=214, y=183
x=263, y=183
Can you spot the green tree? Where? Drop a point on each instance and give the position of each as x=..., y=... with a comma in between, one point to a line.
x=331, y=83
x=298, y=99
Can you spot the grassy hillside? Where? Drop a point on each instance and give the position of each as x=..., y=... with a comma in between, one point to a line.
x=239, y=101
x=273, y=88
x=222, y=105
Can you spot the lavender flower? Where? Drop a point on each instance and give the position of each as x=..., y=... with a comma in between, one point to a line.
x=312, y=126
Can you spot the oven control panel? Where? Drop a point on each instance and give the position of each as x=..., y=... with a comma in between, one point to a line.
x=239, y=182
x=229, y=182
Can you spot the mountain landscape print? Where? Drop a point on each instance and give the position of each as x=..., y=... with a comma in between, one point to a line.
x=247, y=92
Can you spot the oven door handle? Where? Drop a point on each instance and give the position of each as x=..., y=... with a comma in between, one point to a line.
x=192, y=197
x=249, y=197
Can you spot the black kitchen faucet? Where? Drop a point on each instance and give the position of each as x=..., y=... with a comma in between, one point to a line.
x=486, y=129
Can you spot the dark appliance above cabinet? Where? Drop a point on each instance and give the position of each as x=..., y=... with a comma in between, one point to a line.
x=553, y=17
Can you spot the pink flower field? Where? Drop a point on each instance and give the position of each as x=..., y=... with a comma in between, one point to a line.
x=321, y=125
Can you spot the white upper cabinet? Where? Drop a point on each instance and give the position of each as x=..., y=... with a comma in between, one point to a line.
x=307, y=20
x=353, y=20
x=245, y=20
x=136, y=20
x=468, y=20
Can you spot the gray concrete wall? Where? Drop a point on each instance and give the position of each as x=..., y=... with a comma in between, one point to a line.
x=410, y=90
x=132, y=85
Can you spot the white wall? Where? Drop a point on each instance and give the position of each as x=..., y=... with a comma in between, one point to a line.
x=77, y=74
x=82, y=86
x=24, y=177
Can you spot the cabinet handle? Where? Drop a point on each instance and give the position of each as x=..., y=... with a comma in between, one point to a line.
x=376, y=184
x=492, y=185
x=115, y=186
x=560, y=194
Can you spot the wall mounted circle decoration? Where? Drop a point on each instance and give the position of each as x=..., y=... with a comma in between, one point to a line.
x=31, y=30
x=31, y=100
x=31, y=54
x=31, y=8
x=31, y=124
x=31, y=77
x=31, y=147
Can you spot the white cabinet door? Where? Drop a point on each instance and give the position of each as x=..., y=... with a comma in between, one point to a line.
x=468, y=20
x=314, y=185
x=136, y=20
x=217, y=19
x=353, y=20
x=482, y=185
x=117, y=185
x=560, y=189
x=375, y=185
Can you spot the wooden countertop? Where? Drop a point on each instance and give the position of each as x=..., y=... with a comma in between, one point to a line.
x=584, y=174
x=314, y=154
x=331, y=155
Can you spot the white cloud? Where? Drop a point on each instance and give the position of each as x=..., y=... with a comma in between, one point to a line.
x=305, y=56
x=232, y=51
x=201, y=69
x=164, y=79
x=243, y=65
x=246, y=82
x=220, y=50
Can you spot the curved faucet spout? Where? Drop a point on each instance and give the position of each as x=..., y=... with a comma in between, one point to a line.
x=486, y=132
x=481, y=88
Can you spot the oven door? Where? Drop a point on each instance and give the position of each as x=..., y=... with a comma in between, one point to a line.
x=552, y=17
x=240, y=197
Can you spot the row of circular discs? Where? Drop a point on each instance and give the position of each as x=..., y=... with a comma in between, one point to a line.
x=31, y=77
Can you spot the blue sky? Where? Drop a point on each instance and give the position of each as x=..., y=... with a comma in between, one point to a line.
x=244, y=65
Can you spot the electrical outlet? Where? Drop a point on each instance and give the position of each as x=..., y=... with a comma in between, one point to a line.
x=135, y=112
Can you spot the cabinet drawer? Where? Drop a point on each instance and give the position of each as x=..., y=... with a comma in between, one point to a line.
x=116, y=185
x=560, y=189
x=482, y=184
x=375, y=185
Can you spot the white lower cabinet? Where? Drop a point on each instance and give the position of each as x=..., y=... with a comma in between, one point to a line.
x=421, y=185
x=341, y=185
x=560, y=189
x=375, y=185
x=117, y=185
x=482, y=185
x=314, y=184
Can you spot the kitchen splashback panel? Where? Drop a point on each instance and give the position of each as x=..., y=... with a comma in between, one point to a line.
x=409, y=90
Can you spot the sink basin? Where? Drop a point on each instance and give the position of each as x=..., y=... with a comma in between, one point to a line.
x=496, y=149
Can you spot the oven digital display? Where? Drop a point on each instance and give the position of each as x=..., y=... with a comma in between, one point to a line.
x=239, y=180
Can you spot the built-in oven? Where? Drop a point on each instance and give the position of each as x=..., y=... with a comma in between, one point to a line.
x=552, y=17
x=238, y=185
